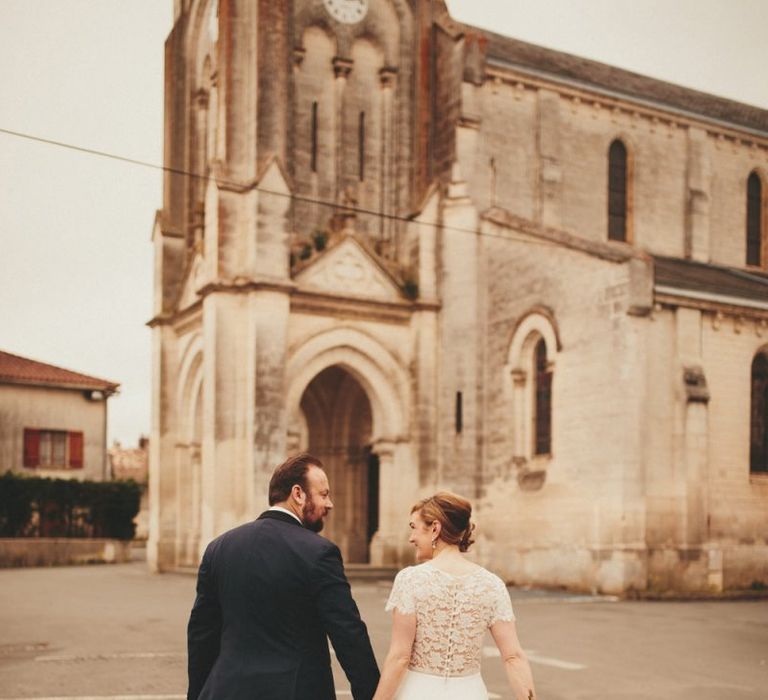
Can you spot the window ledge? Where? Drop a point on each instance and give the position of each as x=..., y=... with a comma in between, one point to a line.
x=531, y=474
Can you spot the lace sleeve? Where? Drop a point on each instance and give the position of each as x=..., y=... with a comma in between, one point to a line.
x=401, y=598
x=501, y=605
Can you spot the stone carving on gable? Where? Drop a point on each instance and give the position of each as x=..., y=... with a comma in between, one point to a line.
x=347, y=269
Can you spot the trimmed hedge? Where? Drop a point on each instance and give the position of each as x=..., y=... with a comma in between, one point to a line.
x=41, y=507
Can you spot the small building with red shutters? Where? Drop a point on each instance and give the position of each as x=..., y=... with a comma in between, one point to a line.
x=53, y=421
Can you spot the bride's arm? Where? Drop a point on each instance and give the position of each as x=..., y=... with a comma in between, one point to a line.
x=398, y=656
x=515, y=661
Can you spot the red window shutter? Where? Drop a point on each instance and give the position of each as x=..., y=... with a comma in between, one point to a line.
x=31, y=447
x=76, y=450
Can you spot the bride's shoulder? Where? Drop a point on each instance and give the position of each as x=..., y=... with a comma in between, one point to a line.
x=411, y=573
x=491, y=578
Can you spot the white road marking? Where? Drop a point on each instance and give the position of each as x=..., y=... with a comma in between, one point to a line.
x=534, y=657
x=112, y=657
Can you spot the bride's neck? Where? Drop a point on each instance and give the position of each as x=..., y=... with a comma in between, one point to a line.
x=448, y=551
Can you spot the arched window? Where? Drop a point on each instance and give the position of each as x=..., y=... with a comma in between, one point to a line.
x=313, y=138
x=543, y=402
x=531, y=366
x=361, y=146
x=617, y=191
x=754, y=219
x=758, y=441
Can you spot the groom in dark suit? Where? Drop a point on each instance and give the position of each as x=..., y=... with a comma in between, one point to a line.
x=269, y=594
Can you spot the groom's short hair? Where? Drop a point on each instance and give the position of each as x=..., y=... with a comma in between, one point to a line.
x=292, y=472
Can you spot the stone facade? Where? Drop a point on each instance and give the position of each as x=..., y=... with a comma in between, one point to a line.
x=129, y=462
x=133, y=463
x=396, y=230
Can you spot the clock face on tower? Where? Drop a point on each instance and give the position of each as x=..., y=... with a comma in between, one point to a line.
x=347, y=11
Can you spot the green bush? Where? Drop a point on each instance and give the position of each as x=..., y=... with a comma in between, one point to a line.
x=306, y=252
x=16, y=507
x=411, y=289
x=39, y=507
x=320, y=239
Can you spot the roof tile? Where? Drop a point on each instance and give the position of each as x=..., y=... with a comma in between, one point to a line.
x=568, y=67
x=709, y=278
x=15, y=369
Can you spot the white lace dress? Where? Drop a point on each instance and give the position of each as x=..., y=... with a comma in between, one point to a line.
x=452, y=615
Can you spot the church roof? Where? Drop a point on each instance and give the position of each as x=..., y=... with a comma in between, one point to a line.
x=728, y=284
x=513, y=54
x=15, y=369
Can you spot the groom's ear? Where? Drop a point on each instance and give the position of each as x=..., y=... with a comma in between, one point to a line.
x=297, y=492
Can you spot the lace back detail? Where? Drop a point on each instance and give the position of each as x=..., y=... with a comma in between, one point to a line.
x=452, y=615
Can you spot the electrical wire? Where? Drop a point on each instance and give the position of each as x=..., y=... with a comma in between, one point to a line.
x=356, y=452
x=292, y=196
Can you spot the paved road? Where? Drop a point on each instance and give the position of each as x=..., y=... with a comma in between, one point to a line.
x=117, y=632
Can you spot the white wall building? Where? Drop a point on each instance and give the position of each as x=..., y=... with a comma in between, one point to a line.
x=53, y=422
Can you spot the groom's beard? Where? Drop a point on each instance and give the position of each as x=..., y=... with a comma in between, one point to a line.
x=311, y=517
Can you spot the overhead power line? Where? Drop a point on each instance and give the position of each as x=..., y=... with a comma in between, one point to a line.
x=293, y=196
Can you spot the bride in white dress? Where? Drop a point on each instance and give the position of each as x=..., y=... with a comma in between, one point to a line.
x=441, y=610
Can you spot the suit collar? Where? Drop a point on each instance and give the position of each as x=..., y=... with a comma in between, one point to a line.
x=279, y=515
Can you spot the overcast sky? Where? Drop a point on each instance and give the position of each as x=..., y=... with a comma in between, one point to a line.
x=75, y=254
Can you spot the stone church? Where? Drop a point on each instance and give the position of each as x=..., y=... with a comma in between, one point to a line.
x=442, y=258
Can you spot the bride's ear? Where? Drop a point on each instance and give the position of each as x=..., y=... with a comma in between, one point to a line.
x=436, y=528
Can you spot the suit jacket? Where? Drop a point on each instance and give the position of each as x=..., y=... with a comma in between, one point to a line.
x=269, y=594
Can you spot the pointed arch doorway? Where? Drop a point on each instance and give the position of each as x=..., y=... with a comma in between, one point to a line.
x=338, y=425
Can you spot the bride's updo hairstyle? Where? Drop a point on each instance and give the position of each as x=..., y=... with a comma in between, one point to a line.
x=453, y=513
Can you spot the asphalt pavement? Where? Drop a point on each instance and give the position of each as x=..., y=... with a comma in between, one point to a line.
x=117, y=632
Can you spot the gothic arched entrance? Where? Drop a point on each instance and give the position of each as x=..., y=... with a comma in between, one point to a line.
x=348, y=397
x=337, y=428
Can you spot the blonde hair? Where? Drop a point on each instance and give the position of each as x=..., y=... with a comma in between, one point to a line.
x=453, y=513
